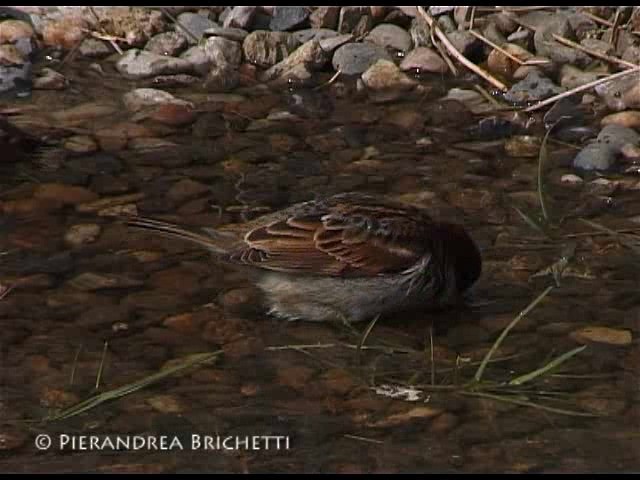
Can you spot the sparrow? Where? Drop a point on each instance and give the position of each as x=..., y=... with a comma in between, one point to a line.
x=349, y=256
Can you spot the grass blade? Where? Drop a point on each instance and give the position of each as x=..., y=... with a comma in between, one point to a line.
x=556, y=362
x=505, y=332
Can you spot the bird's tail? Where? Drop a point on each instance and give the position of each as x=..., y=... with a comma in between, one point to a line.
x=215, y=241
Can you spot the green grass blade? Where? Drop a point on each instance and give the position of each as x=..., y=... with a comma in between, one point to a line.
x=556, y=362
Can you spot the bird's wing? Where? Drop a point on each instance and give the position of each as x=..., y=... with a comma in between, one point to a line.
x=339, y=239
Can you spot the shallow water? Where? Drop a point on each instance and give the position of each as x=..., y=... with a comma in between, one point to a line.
x=156, y=300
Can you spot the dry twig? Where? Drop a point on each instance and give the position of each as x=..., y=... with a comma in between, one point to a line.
x=594, y=53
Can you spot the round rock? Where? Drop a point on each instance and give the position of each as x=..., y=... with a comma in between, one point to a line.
x=356, y=58
x=390, y=36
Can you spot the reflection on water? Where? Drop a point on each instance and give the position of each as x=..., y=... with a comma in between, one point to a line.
x=81, y=279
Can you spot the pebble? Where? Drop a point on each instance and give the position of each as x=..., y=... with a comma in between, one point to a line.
x=418, y=414
x=617, y=136
x=82, y=233
x=533, y=88
x=10, y=55
x=221, y=50
x=65, y=194
x=166, y=404
x=628, y=119
x=420, y=33
x=265, y=49
x=49, y=79
x=500, y=64
x=571, y=179
x=234, y=34
x=386, y=79
x=94, y=48
x=13, y=30
x=522, y=146
x=186, y=189
x=288, y=18
x=307, y=34
x=356, y=58
x=80, y=144
x=66, y=32
x=390, y=36
x=142, y=98
x=196, y=24
x=349, y=18
x=423, y=59
x=138, y=64
x=572, y=77
x=622, y=93
x=325, y=17
x=97, y=205
x=309, y=56
x=240, y=17
x=547, y=46
x=169, y=44
x=595, y=156
x=606, y=335
x=90, y=281
x=465, y=43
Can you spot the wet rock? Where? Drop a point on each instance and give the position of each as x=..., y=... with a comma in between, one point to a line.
x=139, y=64
x=233, y=34
x=109, y=184
x=466, y=335
x=12, y=438
x=329, y=44
x=136, y=25
x=221, y=50
x=154, y=301
x=169, y=44
x=142, y=98
x=195, y=23
x=10, y=55
x=166, y=404
x=571, y=179
x=622, y=93
x=416, y=413
x=522, y=146
x=67, y=32
x=64, y=194
x=288, y=18
x=390, y=36
x=241, y=301
x=617, y=136
x=386, y=78
x=349, y=18
x=465, y=43
x=303, y=36
x=295, y=377
x=492, y=33
x=265, y=49
x=310, y=55
x=499, y=63
x=595, y=156
x=325, y=17
x=94, y=48
x=14, y=77
x=395, y=17
x=472, y=100
x=198, y=59
x=606, y=335
x=13, y=30
x=423, y=59
x=186, y=189
x=572, y=77
x=533, y=88
x=109, y=202
x=240, y=17
x=222, y=78
x=192, y=323
x=420, y=33
x=57, y=398
x=356, y=58
x=89, y=281
x=547, y=46
x=82, y=233
x=49, y=79
x=80, y=144
x=627, y=119
x=338, y=381
x=601, y=400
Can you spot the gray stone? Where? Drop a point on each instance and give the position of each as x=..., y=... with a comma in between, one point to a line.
x=265, y=49
x=136, y=64
x=618, y=136
x=349, y=18
x=356, y=58
x=390, y=36
x=465, y=42
x=492, y=32
x=220, y=50
x=288, y=18
x=329, y=44
x=14, y=76
x=240, y=17
x=195, y=24
x=595, y=156
x=140, y=98
x=303, y=36
x=571, y=77
x=446, y=24
x=94, y=48
x=235, y=34
x=423, y=59
x=385, y=75
x=598, y=45
x=420, y=33
x=167, y=43
x=198, y=59
x=310, y=54
x=547, y=46
x=533, y=88
x=325, y=17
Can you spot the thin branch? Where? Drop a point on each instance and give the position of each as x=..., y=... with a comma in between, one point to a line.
x=444, y=55
x=597, y=19
x=614, y=31
x=581, y=88
x=497, y=47
x=457, y=55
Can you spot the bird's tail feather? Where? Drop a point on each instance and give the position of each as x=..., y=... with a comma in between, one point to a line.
x=215, y=241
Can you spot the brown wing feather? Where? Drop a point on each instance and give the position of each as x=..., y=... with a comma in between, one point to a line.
x=341, y=240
